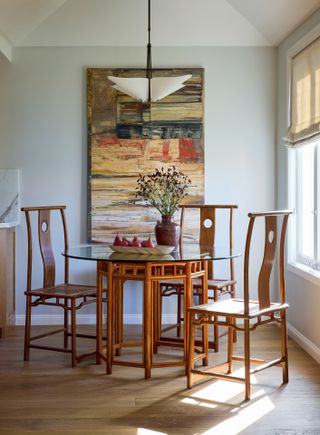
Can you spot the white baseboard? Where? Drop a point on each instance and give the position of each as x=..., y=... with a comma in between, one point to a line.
x=87, y=319
x=304, y=342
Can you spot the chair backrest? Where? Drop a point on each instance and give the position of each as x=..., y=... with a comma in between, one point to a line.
x=207, y=227
x=272, y=244
x=44, y=237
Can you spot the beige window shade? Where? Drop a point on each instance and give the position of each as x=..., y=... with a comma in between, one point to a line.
x=305, y=96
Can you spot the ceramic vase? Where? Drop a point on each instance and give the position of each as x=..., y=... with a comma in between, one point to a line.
x=167, y=232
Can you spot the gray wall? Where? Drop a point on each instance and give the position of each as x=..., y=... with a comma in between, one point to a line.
x=46, y=135
x=303, y=295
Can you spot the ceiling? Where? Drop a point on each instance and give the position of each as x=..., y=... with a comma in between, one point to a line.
x=174, y=22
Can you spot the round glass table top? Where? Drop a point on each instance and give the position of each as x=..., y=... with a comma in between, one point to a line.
x=185, y=252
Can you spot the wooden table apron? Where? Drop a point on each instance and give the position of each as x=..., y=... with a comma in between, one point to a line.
x=150, y=273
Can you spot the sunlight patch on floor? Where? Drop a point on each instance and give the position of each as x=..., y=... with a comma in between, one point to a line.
x=244, y=419
x=224, y=392
x=220, y=390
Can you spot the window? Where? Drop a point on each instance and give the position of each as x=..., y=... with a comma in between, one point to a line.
x=303, y=136
x=304, y=183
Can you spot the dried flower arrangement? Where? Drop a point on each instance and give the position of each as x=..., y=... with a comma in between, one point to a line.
x=164, y=189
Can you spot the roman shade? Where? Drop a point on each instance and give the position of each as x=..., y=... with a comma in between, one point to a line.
x=305, y=96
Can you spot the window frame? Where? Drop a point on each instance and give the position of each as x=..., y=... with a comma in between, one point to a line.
x=295, y=179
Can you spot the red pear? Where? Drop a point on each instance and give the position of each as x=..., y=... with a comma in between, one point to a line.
x=135, y=242
x=125, y=242
x=147, y=243
x=117, y=240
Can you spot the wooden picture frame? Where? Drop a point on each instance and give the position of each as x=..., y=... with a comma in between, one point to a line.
x=127, y=137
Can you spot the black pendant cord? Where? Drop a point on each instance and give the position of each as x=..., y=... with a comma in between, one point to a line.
x=149, y=58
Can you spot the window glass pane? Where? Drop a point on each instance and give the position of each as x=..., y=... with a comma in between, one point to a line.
x=306, y=201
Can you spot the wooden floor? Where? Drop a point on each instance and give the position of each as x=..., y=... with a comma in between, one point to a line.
x=46, y=396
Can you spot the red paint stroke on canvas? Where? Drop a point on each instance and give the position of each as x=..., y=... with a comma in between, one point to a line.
x=187, y=150
x=132, y=143
x=105, y=141
x=166, y=151
x=112, y=141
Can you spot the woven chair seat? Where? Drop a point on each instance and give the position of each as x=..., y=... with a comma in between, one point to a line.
x=71, y=291
x=215, y=283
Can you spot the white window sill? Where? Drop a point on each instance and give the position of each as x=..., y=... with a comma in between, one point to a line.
x=305, y=272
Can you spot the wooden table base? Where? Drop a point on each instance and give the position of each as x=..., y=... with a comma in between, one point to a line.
x=151, y=273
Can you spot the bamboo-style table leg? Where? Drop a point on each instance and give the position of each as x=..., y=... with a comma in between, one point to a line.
x=110, y=317
x=118, y=302
x=147, y=321
x=99, y=314
x=187, y=304
x=205, y=335
x=156, y=315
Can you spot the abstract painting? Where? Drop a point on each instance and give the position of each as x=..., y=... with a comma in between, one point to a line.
x=126, y=137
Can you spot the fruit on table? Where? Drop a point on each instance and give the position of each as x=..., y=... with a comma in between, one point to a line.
x=125, y=242
x=117, y=241
x=135, y=242
x=147, y=243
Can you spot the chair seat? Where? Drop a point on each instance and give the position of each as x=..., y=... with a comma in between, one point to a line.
x=235, y=308
x=71, y=291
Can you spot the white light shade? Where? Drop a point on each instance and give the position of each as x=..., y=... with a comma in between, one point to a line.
x=163, y=86
x=137, y=88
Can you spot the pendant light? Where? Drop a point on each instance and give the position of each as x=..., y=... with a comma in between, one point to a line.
x=148, y=89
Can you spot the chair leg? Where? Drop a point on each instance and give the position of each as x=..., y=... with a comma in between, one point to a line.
x=156, y=319
x=284, y=346
x=179, y=307
x=160, y=311
x=215, y=327
x=66, y=324
x=119, y=315
x=235, y=336
x=205, y=344
x=27, y=329
x=73, y=333
x=190, y=353
x=99, y=312
x=230, y=346
x=247, y=358
x=110, y=319
x=205, y=326
x=233, y=295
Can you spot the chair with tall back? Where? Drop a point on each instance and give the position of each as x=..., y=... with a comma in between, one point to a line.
x=249, y=313
x=207, y=217
x=69, y=297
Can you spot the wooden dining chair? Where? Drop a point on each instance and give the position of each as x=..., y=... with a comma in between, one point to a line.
x=249, y=313
x=69, y=297
x=207, y=216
